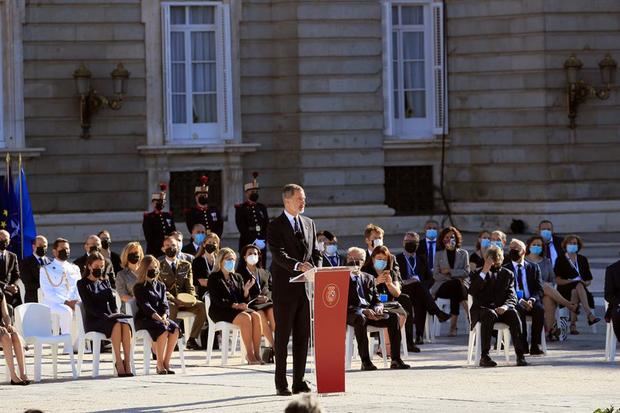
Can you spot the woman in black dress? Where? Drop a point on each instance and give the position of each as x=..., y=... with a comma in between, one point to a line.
x=573, y=276
x=203, y=263
x=229, y=297
x=153, y=312
x=11, y=343
x=100, y=310
x=260, y=293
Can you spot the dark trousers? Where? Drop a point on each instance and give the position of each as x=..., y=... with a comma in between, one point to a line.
x=423, y=303
x=405, y=301
x=359, y=323
x=538, y=321
x=455, y=292
x=291, y=316
x=615, y=319
x=489, y=317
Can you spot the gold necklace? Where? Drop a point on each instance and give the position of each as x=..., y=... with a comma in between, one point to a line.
x=63, y=278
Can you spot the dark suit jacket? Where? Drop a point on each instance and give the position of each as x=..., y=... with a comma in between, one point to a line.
x=200, y=271
x=29, y=273
x=108, y=269
x=327, y=263
x=9, y=272
x=222, y=298
x=421, y=269
x=286, y=251
x=370, y=294
x=116, y=261
x=612, y=286
x=423, y=249
x=489, y=293
x=534, y=279
x=189, y=249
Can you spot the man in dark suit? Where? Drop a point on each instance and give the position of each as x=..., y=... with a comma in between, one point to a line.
x=494, y=300
x=427, y=247
x=529, y=290
x=106, y=245
x=292, y=241
x=93, y=244
x=330, y=255
x=417, y=281
x=365, y=309
x=612, y=296
x=157, y=224
x=553, y=243
x=30, y=268
x=9, y=271
x=198, y=236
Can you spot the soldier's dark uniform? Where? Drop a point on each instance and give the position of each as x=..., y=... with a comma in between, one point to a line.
x=209, y=217
x=157, y=224
x=252, y=221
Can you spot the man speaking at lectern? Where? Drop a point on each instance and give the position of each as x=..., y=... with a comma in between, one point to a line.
x=293, y=245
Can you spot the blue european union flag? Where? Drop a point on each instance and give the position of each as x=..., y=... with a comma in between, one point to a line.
x=19, y=222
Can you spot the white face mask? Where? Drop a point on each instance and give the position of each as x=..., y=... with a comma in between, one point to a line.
x=252, y=259
x=377, y=242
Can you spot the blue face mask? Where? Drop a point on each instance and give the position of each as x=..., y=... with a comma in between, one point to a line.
x=199, y=238
x=431, y=234
x=380, y=265
x=498, y=244
x=546, y=234
x=229, y=265
x=572, y=248
x=331, y=249
x=485, y=243
x=536, y=249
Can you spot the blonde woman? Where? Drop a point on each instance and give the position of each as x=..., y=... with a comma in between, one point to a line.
x=153, y=312
x=126, y=278
x=229, y=297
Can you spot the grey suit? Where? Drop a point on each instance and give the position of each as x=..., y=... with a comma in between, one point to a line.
x=451, y=285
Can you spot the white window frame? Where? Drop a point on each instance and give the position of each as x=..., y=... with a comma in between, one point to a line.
x=436, y=120
x=224, y=128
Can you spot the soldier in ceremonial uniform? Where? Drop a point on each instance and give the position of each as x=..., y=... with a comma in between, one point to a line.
x=202, y=212
x=157, y=224
x=252, y=219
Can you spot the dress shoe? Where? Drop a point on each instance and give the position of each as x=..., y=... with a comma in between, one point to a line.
x=412, y=348
x=283, y=392
x=192, y=344
x=419, y=341
x=302, y=387
x=443, y=316
x=20, y=383
x=398, y=364
x=486, y=361
x=593, y=321
x=168, y=371
x=535, y=350
x=368, y=366
x=521, y=361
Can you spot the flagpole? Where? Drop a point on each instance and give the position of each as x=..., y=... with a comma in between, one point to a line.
x=8, y=171
x=21, y=206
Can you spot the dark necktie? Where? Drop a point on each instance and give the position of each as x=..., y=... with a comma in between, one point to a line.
x=333, y=260
x=547, y=250
x=520, y=277
x=41, y=262
x=297, y=230
x=174, y=267
x=431, y=254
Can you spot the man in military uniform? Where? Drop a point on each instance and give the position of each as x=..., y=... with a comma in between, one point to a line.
x=202, y=212
x=252, y=219
x=176, y=274
x=157, y=224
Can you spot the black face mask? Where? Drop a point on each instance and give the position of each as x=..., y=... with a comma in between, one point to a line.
x=210, y=248
x=170, y=252
x=202, y=200
x=152, y=273
x=105, y=244
x=253, y=196
x=515, y=255
x=93, y=248
x=3, y=245
x=159, y=206
x=97, y=272
x=133, y=257
x=41, y=251
x=63, y=255
x=411, y=246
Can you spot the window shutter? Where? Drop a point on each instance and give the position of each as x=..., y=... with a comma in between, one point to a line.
x=225, y=91
x=440, y=121
x=388, y=81
x=165, y=25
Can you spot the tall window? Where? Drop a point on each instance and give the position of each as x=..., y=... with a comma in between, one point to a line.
x=197, y=72
x=414, y=83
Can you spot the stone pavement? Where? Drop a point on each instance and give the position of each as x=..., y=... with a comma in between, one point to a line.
x=573, y=378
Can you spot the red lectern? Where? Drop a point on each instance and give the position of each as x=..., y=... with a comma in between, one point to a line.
x=328, y=292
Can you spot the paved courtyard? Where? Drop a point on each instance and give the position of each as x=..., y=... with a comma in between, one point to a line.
x=573, y=378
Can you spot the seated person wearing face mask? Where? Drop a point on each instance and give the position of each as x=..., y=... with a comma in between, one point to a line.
x=331, y=258
x=365, y=308
x=198, y=236
x=552, y=242
x=529, y=290
x=92, y=245
x=494, y=300
x=416, y=283
x=176, y=274
x=203, y=264
x=428, y=247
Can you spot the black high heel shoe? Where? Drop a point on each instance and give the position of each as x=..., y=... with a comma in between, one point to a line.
x=593, y=320
x=20, y=382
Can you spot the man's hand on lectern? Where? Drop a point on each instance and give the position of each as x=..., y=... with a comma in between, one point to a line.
x=305, y=266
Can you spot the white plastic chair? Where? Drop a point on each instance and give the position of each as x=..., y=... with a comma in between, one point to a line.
x=34, y=322
x=474, y=347
x=55, y=319
x=435, y=330
x=95, y=337
x=610, y=340
x=226, y=329
x=188, y=321
x=350, y=349
x=131, y=308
